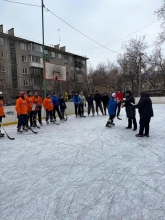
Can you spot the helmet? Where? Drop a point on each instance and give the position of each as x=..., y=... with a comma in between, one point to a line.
x=22, y=93
x=1, y=93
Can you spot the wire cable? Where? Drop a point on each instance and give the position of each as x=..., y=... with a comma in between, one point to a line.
x=21, y=3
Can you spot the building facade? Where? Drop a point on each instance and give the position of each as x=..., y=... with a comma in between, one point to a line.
x=21, y=66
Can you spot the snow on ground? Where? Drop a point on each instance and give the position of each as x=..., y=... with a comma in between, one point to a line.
x=81, y=170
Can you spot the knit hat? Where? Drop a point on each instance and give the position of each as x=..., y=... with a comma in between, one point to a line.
x=128, y=91
x=113, y=94
x=47, y=94
x=22, y=93
x=28, y=91
x=54, y=93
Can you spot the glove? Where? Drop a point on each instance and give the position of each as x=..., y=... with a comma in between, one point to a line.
x=132, y=103
x=4, y=116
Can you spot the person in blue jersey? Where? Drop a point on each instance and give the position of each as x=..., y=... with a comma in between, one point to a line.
x=76, y=101
x=56, y=103
x=111, y=110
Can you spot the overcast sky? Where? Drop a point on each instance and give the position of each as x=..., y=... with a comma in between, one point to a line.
x=105, y=21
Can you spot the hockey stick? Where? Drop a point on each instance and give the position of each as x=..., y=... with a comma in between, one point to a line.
x=7, y=133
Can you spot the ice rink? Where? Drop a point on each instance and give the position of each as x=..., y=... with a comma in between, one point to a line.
x=81, y=170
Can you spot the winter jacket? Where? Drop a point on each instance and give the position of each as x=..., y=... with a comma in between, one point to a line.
x=145, y=106
x=112, y=106
x=82, y=99
x=38, y=102
x=1, y=108
x=130, y=109
x=48, y=104
x=119, y=96
x=97, y=98
x=105, y=99
x=21, y=106
x=90, y=100
x=76, y=99
x=62, y=104
x=55, y=100
x=30, y=103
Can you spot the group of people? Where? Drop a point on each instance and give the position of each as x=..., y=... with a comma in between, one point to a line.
x=29, y=106
x=101, y=102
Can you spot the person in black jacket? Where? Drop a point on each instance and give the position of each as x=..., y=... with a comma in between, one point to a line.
x=97, y=99
x=105, y=100
x=89, y=99
x=130, y=110
x=62, y=106
x=145, y=112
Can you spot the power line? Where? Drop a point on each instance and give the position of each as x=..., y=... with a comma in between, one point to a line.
x=21, y=3
x=93, y=48
x=81, y=32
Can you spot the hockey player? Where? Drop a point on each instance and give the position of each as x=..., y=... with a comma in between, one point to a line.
x=76, y=101
x=82, y=104
x=48, y=105
x=97, y=99
x=22, y=109
x=119, y=98
x=38, y=102
x=56, y=103
x=2, y=115
x=30, y=103
x=105, y=100
x=111, y=110
x=90, y=104
x=62, y=106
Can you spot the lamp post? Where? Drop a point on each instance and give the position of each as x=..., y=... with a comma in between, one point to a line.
x=140, y=74
x=43, y=54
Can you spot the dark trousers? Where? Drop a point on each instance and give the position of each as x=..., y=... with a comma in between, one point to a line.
x=56, y=109
x=118, y=108
x=99, y=105
x=105, y=106
x=0, y=123
x=81, y=109
x=144, y=125
x=90, y=107
x=76, y=108
x=30, y=116
x=22, y=120
x=49, y=115
x=62, y=112
x=130, y=120
x=111, y=117
x=38, y=114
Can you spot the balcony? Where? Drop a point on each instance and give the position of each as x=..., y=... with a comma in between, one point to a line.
x=37, y=65
x=35, y=53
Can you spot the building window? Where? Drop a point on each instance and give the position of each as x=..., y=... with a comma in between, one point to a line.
x=83, y=70
x=65, y=59
x=83, y=62
x=72, y=68
x=3, y=69
x=2, y=81
x=1, y=41
x=35, y=47
x=26, y=82
x=35, y=59
x=59, y=56
x=77, y=68
x=25, y=70
x=23, y=46
x=24, y=59
x=2, y=55
x=71, y=59
x=53, y=54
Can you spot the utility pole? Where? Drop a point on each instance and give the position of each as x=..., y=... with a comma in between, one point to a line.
x=43, y=47
x=140, y=74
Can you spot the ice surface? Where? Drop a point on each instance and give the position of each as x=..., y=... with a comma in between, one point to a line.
x=81, y=170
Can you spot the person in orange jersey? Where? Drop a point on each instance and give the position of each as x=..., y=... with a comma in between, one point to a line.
x=2, y=115
x=22, y=109
x=38, y=102
x=30, y=103
x=48, y=105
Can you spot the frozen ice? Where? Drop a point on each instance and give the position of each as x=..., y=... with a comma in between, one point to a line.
x=81, y=170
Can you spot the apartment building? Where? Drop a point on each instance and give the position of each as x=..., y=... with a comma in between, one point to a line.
x=21, y=66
